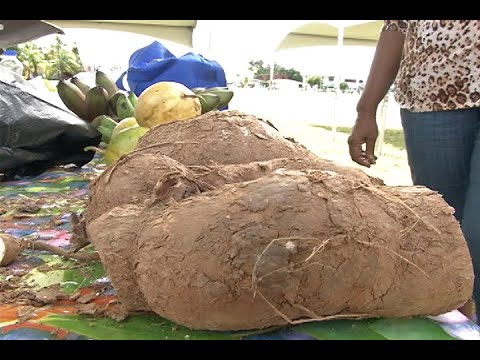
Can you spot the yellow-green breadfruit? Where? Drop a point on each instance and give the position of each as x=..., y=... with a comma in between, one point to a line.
x=123, y=143
x=166, y=102
x=124, y=124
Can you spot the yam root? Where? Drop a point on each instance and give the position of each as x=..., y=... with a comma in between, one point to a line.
x=201, y=147
x=230, y=137
x=287, y=247
x=134, y=178
x=130, y=181
x=114, y=234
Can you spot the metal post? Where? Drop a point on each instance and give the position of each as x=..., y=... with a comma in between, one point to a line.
x=272, y=71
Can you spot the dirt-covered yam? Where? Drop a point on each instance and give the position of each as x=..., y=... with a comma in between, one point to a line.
x=290, y=247
x=114, y=233
x=213, y=140
x=134, y=178
x=222, y=137
x=130, y=181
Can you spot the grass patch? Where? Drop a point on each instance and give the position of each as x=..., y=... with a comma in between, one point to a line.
x=393, y=137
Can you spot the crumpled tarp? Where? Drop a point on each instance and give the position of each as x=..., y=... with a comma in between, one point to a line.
x=36, y=134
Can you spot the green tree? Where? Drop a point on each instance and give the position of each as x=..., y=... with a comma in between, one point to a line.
x=63, y=62
x=283, y=73
x=262, y=72
x=315, y=81
x=343, y=86
x=33, y=60
x=58, y=61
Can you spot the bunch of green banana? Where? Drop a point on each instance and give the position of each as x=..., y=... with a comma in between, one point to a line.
x=213, y=98
x=80, y=84
x=122, y=104
x=73, y=98
x=97, y=102
x=103, y=80
x=102, y=99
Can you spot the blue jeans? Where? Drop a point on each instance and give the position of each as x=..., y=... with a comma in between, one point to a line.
x=443, y=150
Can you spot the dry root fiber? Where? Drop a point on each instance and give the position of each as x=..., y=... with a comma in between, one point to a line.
x=11, y=248
x=283, y=247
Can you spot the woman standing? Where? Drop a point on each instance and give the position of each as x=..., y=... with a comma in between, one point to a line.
x=436, y=66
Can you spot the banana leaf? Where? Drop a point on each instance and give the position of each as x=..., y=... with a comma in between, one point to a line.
x=378, y=329
x=138, y=327
x=151, y=327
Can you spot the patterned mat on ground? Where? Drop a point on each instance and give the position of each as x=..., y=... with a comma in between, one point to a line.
x=43, y=296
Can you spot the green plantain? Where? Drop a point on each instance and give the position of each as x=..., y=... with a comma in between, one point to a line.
x=80, y=84
x=124, y=124
x=97, y=102
x=103, y=80
x=218, y=88
x=73, y=98
x=133, y=98
x=124, y=107
x=122, y=144
x=105, y=121
x=112, y=102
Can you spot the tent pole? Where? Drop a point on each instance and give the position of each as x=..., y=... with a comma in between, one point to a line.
x=272, y=71
x=341, y=32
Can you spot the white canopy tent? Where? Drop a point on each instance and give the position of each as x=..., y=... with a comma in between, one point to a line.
x=307, y=33
x=218, y=39
x=178, y=31
x=331, y=32
x=255, y=39
x=293, y=33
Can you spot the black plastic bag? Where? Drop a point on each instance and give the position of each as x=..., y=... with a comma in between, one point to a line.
x=35, y=133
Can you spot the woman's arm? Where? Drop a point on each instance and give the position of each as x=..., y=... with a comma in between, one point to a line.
x=383, y=71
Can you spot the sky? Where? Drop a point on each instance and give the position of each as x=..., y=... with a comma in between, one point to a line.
x=111, y=49
x=263, y=36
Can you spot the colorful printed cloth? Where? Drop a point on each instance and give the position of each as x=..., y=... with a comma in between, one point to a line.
x=43, y=296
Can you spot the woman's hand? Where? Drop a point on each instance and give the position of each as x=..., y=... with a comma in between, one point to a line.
x=364, y=132
x=383, y=71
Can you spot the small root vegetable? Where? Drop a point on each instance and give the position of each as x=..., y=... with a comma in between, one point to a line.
x=10, y=249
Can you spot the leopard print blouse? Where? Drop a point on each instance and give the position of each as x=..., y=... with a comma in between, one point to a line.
x=440, y=68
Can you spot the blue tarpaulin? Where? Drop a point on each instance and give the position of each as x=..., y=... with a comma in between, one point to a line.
x=155, y=63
